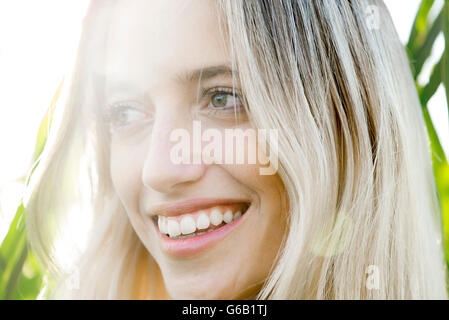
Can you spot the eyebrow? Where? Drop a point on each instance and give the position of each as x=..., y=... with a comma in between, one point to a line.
x=206, y=73
x=201, y=74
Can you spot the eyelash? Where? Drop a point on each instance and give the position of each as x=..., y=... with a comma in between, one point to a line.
x=210, y=93
x=114, y=109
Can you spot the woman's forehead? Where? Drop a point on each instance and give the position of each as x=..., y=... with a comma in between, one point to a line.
x=163, y=38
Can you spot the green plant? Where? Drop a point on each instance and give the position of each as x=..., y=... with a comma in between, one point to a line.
x=424, y=32
x=20, y=276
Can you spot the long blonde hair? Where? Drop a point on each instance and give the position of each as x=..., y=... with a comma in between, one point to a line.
x=364, y=220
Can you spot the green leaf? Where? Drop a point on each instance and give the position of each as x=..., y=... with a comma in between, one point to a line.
x=445, y=72
x=421, y=53
x=441, y=172
x=13, y=251
x=44, y=127
x=420, y=25
x=438, y=155
x=30, y=281
x=427, y=92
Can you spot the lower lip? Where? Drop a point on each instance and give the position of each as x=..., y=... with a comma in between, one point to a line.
x=191, y=246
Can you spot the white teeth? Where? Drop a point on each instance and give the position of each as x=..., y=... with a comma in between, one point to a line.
x=216, y=218
x=162, y=224
x=188, y=225
x=173, y=228
x=203, y=221
x=227, y=217
x=192, y=235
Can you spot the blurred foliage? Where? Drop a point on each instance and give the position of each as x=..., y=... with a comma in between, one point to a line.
x=20, y=276
x=422, y=38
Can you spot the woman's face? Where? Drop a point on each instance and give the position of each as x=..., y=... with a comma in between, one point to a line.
x=214, y=228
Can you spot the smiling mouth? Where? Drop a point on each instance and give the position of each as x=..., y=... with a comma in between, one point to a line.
x=199, y=222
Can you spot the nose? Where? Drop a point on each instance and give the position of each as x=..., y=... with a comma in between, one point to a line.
x=160, y=171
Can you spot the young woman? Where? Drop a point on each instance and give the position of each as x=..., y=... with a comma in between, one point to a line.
x=350, y=211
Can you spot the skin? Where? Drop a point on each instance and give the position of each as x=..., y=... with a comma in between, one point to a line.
x=152, y=46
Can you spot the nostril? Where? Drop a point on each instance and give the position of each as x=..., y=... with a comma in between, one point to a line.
x=167, y=176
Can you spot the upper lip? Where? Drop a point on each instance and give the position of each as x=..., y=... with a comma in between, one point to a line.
x=191, y=205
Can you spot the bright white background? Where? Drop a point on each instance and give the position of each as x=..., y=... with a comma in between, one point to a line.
x=38, y=40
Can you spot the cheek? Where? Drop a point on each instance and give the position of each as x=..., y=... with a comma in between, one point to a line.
x=266, y=228
x=257, y=176
x=126, y=174
x=269, y=191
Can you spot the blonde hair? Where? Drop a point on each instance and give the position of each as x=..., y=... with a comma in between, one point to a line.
x=353, y=156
